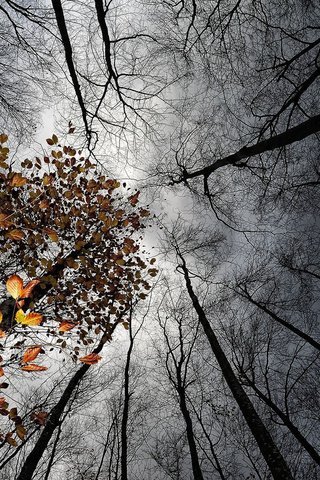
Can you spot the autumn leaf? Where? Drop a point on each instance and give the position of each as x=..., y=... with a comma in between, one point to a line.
x=1, y=317
x=2, y=334
x=50, y=141
x=66, y=326
x=15, y=234
x=39, y=417
x=32, y=367
x=134, y=198
x=44, y=204
x=18, y=180
x=10, y=440
x=51, y=234
x=14, y=286
x=4, y=220
x=32, y=319
x=31, y=354
x=1, y=372
x=90, y=359
x=3, y=138
x=26, y=292
x=21, y=431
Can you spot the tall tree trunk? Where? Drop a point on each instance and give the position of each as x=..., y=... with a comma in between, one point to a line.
x=269, y=450
x=286, y=420
x=197, y=473
x=125, y=413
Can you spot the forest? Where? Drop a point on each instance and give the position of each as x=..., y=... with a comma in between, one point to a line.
x=159, y=240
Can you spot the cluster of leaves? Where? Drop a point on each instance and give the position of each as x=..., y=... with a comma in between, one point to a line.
x=75, y=232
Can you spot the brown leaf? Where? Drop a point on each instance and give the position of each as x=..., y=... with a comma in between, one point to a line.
x=15, y=234
x=4, y=220
x=31, y=367
x=31, y=354
x=66, y=326
x=90, y=359
x=18, y=180
x=21, y=431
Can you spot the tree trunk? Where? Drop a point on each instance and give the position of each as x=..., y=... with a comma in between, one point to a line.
x=270, y=452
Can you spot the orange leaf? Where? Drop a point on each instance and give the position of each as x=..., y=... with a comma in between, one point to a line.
x=31, y=354
x=90, y=359
x=1, y=372
x=31, y=367
x=14, y=286
x=32, y=319
x=1, y=317
x=44, y=203
x=66, y=326
x=2, y=334
x=18, y=180
x=26, y=292
x=15, y=234
x=51, y=234
x=4, y=220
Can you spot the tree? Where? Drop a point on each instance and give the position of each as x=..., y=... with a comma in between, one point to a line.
x=81, y=258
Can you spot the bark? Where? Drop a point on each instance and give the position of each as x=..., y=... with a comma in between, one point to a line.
x=292, y=135
x=269, y=450
x=125, y=413
x=58, y=10
x=286, y=420
x=283, y=322
x=197, y=473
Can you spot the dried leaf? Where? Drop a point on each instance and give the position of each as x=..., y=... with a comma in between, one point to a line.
x=32, y=319
x=11, y=440
x=54, y=138
x=66, y=326
x=18, y=180
x=2, y=334
x=26, y=292
x=90, y=359
x=50, y=141
x=15, y=234
x=3, y=138
x=51, y=234
x=14, y=286
x=39, y=417
x=4, y=220
x=31, y=367
x=1, y=372
x=31, y=354
x=21, y=431
x=134, y=198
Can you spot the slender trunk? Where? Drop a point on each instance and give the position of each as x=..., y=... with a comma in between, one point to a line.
x=287, y=422
x=125, y=413
x=197, y=473
x=270, y=452
x=283, y=322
